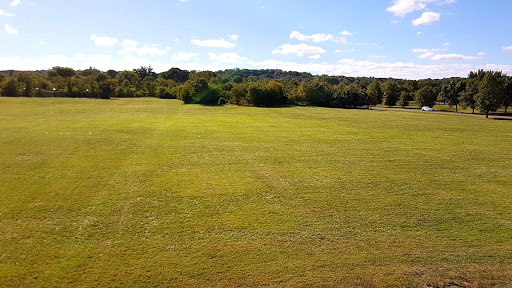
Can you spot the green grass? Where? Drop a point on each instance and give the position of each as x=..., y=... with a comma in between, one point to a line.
x=146, y=192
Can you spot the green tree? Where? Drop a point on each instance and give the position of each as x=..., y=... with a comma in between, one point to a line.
x=145, y=71
x=375, y=94
x=149, y=86
x=107, y=88
x=507, y=96
x=425, y=97
x=490, y=92
x=391, y=93
x=237, y=94
x=11, y=88
x=176, y=74
x=467, y=98
x=404, y=99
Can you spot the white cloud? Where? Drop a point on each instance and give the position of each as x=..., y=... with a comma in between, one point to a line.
x=429, y=54
x=15, y=3
x=452, y=57
x=509, y=48
x=317, y=38
x=144, y=50
x=426, y=18
x=184, y=56
x=314, y=38
x=446, y=44
x=418, y=50
x=79, y=56
x=103, y=41
x=315, y=57
x=481, y=54
x=345, y=51
x=419, y=33
x=214, y=43
x=3, y=13
x=426, y=55
x=226, y=57
x=10, y=30
x=403, y=7
x=127, y=43
x=233, y=37
x=299, y=50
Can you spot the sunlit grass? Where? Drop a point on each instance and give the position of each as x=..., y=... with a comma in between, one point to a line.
x=146, y=192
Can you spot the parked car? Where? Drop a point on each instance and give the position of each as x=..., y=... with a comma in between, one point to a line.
x=428, y=109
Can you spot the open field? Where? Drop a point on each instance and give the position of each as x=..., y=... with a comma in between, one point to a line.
x=147, y=192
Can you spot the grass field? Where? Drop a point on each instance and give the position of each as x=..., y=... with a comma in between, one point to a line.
x=148, y=193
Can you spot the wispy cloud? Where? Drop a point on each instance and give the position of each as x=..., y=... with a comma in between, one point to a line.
x=226, y=57
x=213, y=43
x=426, y=18
x=103, y=41
x=509, y=48
x=403, y=7
x=128, y=43
x=233, y=37
x=15, y=3
x=299, y=50
x=144, y=50
x=185, y=56
x=317, y=38
x=432, y=55
x=10, y=30
x=3, y=13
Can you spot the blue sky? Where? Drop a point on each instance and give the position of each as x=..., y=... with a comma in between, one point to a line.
x=410, y=39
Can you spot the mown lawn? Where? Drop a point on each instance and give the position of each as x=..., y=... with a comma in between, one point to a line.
x=147, y=192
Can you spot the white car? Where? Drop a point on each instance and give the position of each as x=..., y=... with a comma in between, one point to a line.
x=428, y=109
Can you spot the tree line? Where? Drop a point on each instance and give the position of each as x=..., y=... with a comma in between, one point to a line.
x=485, y=91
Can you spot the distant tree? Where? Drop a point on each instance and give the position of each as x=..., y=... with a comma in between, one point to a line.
x=468, y=97
x=107, y=88
x=206, y=75
x=91, y=71
x=176, y=74
x=375, y=94
x=100, y=77
x=11, y=89
x=507, y=96
x=404, y=99
x=490, y=92
x=145, y=71
x=263, y=93
x=237, y=94
x=25, y=80
x=149, y=86
x=355, y=96
x=391, y=93
x=314, y=93
x=132, y=77
x=64, y=72
x=237, y=79
x=425, y=97
x=111, y=73
x=451, y=92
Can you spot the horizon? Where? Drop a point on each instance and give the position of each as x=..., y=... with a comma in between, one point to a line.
x=402, y=39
